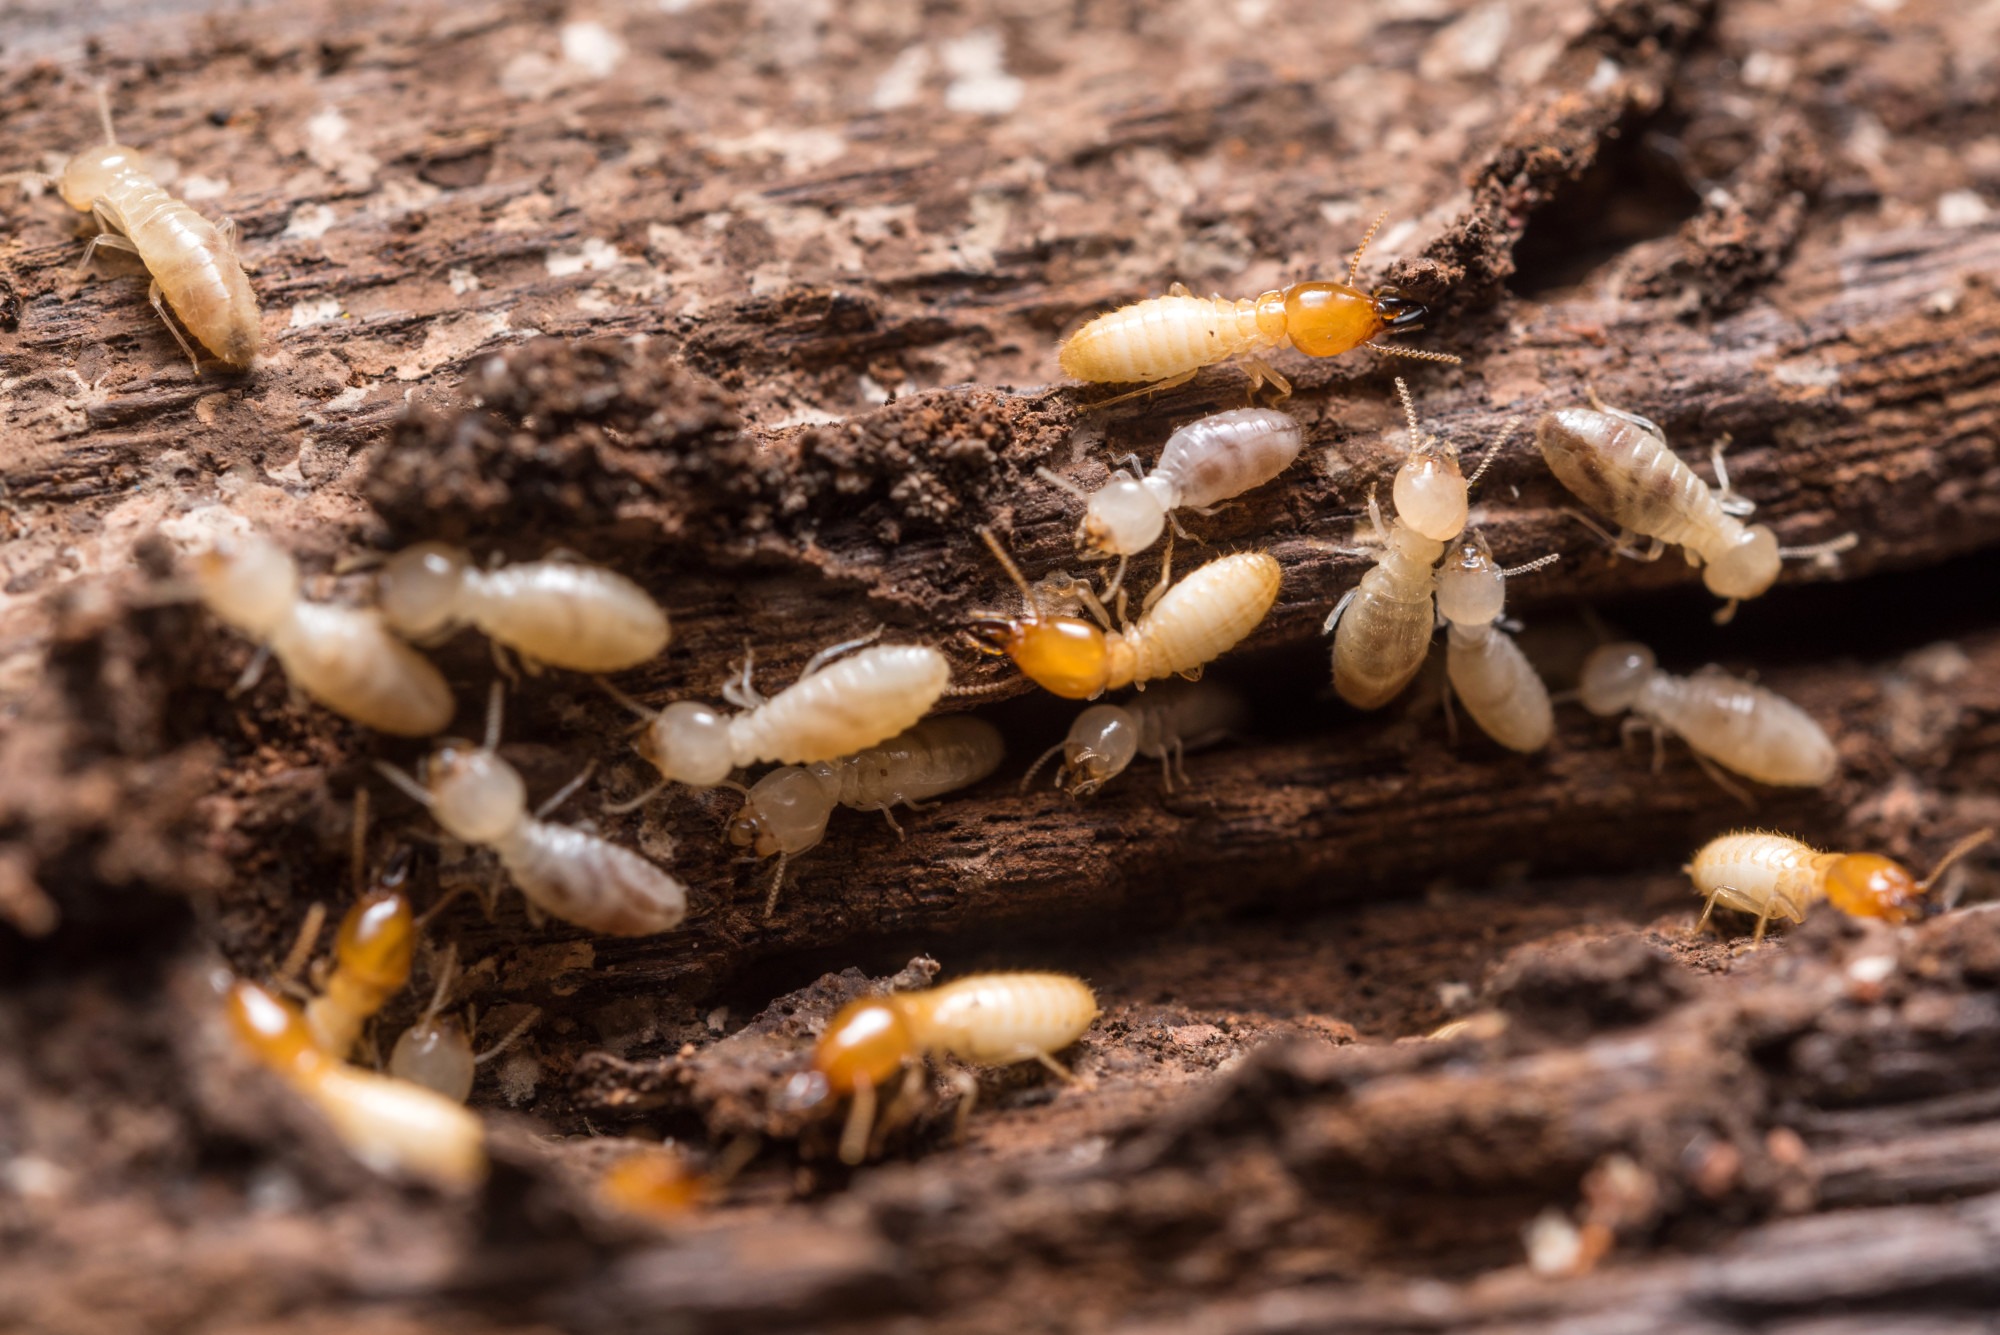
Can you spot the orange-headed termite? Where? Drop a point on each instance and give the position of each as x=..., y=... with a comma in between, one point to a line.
x=1776, y=876
x=343, y=657
x=563, y=613
x=1164, y=341
x=371, y=955
x=1163, y=724
x=1487, y=670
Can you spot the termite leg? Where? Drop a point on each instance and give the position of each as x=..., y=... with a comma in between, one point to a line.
x=1763, y=921
x=1725, y=495
x=302, y=944
x=1061, y=1072
x=1646, y=422
x=739, y=690
x=1263, y=373
x=512, y=1036
x=1708, y=909
x=252, y=672
x=1178, y=289
x=1333, y=618
x=860, y=1120
x=1157, y=387
x=503, y=662
x=1723, y=781
x=632, y=804
x=647, y=715
x=103, y=241
x=967, y=1085
x=160, y=305
x=1727, y=612
x=1450, y=715
x=889, y=815
x=1159, y=590
x=1116, y=587
x=568, y=790
x=833, y=651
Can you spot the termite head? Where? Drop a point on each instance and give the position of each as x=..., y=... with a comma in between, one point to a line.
x=867, y=1042
x=785, y=812
x=435, y=1053
x=249, y=582
x=377, y=939
x=475, y=795
x=1614, y=675
x=1123, y=517
x=1471, y=591
x=1325, y=319
x=1430, y=491
x=688, y=742
x=87, y=177
x=1101, y=744
x=1747, y=567
x=274, y=1031
x=418, y=588
x=1868, y=885
x=1065, y=656
x=654, y=1183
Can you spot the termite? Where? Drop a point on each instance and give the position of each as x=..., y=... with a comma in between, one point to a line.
x=837, y=706
x=1619, y=464
x=193, y=262
x=563, y=613
x=1165, y=341
x=785, y=813
x=568, y=873
x=1724, y=719
x=1487, y=670
x=1163, y=724
x=1776, y=876
x=390, y=1125
x=1204, y=463
x=991, y=1019
x=436, y=1051
x=1191, y=624
x=343, y=657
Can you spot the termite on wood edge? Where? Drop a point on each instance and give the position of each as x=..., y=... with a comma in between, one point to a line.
x=1776, y=876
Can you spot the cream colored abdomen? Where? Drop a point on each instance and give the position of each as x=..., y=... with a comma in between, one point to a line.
x=575, y=876
x=345, y=658
x=1765, y=874
x=1204, y=616
x=1162, y=337
x=935, y=757
x=850, y=704
x=1759, y=735
x=568, y=616
x=996, y=1018
x=1499, y=688
x=1382, y=639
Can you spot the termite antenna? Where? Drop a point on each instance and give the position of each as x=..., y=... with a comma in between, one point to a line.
x=1013, y=571
x=357, y=853
x=447, y=974
x=1062, y=483
x=627, y=701
x=496, y=697
x=1419, y=354
x=1354, y=265
x=1028, y=779
x=1953, y=854
x=104, y=113
x=413, y=790
x=1815, y=551
x=1410, y=414
x=1535, y=564
x=512, y=1037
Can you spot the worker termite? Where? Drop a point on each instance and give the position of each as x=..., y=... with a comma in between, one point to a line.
x=1204, y=463
x=1776, y=876
x=1164, y=341
x=436, y=1050
x=785, y=813
x=991, y=1019
x=1163, y=725
x=1726, y=720
x=834, y=709
x=568, y=873
x=193, y=262
x=1487, y=670
x=1191, y=624
x=563, y=613
x=1619, y=464
x=391, y=1125
x=343, y=657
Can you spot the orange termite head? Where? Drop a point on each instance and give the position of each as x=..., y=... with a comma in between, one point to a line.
x=377, y=939
x=654, y=1183
x=275, y=1031
x=1868, y=885
x=1065, y=656
x=867, y=1042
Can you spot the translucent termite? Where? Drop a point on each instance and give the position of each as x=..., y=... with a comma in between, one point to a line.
x=568, y=873
x=563, y=613
x=193, y=262
x=1187, y=625
x=1487, y=670
x=785, y=813
x=1204, y=463
x=1776, y=876
x=1741, y=727
x=390, y=1125
x=991, y=1019
x=343, y=657
x=1164, y=341
x=1619, y=464
x=837, y=706
x=436, y=1051
x=1164, y=724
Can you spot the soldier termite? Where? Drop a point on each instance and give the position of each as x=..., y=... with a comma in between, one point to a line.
x=1204, y=463
x=566, y=872
x=1776, y=876
x=1619, y=464
x=343, y=657
x=991, y=1019
x=1191, y=624
x=563, y=613
x=785, y=813
x=391, y=1125
x=371, y=954
x=436, y=1052
x=1487, y=670
x=1163, y=725
x=834, y=709
x=193, y=262
x=1164, y=341
x=1726, y=720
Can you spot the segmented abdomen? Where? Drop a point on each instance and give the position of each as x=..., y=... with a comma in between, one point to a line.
x=935, y=757
x=1760, y=735
x=197, y=270
x=1753, y=871
x=1382, y=638
x=1002, y=1017
x=850, y=704
x=569, y=616
x=1224, y=455
x=1499, y=687
x=1202, y=617
x=574, y=875
x=345, y=658
x=1628, y=474
x=1162, y=337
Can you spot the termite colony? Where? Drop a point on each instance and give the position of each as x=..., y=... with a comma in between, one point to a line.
x=857, y=728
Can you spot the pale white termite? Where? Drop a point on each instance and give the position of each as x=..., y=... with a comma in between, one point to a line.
x=436, y=1051
x=390, y=1125
x=343, y=657
x=566, y=872
x=1163, y=724
x=1724, y=719
x=834, y=709
x=563, y=613
x=1776, y=876
x=785, y=813
x=1487, y=670
x=1619, y=464
x=193, y=262
x=1185, y=626
x=1204, y=463
x=990, y=1019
